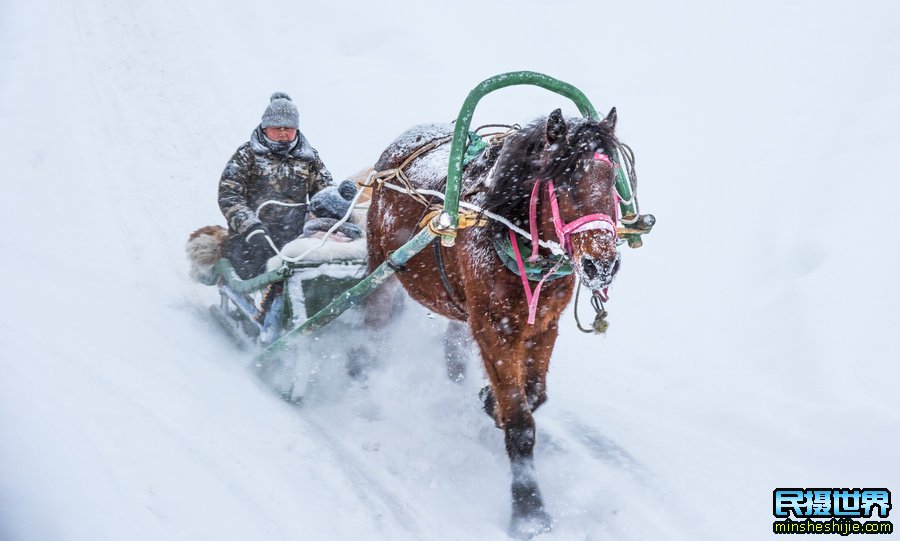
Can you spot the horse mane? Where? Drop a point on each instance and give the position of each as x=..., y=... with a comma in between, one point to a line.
x=522, y=161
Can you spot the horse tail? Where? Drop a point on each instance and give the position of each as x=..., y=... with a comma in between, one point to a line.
x=204, y=248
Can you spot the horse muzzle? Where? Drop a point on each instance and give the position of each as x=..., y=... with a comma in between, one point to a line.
x=597, y=273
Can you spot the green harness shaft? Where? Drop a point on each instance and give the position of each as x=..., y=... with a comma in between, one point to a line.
x=352, y=296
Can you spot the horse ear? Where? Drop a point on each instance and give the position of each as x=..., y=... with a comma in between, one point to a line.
x=556, y=127
x=610, y=121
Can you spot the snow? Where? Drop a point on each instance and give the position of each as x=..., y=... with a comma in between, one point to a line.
x=418, y=136
x=432, y=168
x=752, y=341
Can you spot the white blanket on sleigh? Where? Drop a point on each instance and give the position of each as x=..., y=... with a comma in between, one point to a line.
x=332, y=250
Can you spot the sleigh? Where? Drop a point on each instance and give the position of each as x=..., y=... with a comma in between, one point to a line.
x=261, y=309
x=581, y=208
x=297, y=296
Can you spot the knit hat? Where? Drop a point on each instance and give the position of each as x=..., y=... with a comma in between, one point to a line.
x=281, y=112
x=333, y=201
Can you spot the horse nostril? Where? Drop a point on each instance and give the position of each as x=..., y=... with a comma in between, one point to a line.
x=589, y=268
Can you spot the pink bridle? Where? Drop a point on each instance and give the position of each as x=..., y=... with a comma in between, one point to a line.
x=563, y=232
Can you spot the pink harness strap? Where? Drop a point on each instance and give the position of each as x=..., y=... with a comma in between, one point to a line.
x=563, y=232
x=530, y=297
x=532, y=220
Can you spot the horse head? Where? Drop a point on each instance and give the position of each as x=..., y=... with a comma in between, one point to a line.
x=557, y=178
x=579, y=173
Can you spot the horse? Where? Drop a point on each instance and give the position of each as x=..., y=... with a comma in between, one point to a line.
x=554, y=177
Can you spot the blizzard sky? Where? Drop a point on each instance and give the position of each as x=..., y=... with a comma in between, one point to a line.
x=753, y=339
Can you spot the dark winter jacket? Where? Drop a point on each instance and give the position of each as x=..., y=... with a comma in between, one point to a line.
x=261, y=171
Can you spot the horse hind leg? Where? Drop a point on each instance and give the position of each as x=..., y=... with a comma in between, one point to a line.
x=457, y=349
x=380, y=309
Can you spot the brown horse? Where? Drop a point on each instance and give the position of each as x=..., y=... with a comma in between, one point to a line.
x=560, y=173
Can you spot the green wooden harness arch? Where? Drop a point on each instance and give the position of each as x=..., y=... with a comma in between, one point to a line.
x=464, y=121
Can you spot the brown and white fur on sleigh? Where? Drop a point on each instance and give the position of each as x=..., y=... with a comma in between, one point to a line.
x=204, y=248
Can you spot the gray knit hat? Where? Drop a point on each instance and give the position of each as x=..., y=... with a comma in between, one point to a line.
x=281, y=112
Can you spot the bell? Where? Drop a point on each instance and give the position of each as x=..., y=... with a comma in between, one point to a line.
x=600, y=324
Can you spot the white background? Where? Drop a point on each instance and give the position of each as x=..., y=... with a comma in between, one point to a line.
x=753, y=340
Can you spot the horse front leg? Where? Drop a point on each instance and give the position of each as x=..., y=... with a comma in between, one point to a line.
x=503, y=351
x=528, y=515
x=539, y=348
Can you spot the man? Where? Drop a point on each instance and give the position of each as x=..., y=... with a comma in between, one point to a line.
x=277, y=164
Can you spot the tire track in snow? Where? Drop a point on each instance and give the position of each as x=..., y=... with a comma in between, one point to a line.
x=372, y=489
x=598, y=446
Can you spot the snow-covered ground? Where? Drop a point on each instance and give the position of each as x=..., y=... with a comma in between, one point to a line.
x=753, y=339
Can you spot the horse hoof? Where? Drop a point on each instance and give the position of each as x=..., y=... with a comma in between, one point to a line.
x=456, y=371
x=359, y=363
x=355, y=369
x=528, y=526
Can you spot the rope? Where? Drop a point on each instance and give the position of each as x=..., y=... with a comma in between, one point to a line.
x=575, y=311
x=381, y=178
x=325, y=237
x=398, y=172
x=600, y=324
x=549, y=244
x=378, y=176
x=328, y=233
x=509, y=127
x=281, y=203
x=472, y=215
x=628, y=162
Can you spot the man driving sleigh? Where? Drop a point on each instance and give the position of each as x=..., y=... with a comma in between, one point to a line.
x=270, y=184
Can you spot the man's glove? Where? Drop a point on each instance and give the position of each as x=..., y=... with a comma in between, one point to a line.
x=257, y=249
x=257, y=238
